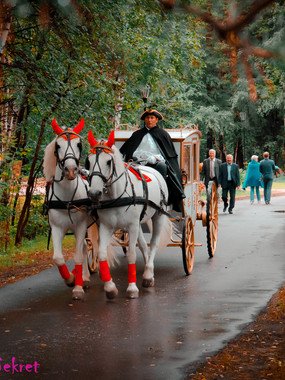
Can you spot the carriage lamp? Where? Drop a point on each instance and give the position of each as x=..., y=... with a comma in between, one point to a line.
x=184, y=178
x=145, y=93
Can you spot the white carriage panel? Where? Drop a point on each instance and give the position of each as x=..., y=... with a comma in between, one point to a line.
x=121, y=136
x=190, y=202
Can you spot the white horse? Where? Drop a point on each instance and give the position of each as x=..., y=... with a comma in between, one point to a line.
x=124, y=201
x=67, y=202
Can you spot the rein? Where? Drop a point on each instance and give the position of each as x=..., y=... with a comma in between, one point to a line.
x=121, y=200
x=108, y=182
x=130, y=200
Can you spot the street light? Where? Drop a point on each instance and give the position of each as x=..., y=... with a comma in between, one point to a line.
x=243, y=118
x=145, y=93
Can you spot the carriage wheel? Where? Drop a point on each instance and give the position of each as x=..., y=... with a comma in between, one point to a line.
x=188, y=246
x=212, y=218
x=92, y=259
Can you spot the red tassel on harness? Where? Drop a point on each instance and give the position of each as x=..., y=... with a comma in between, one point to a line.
x=104, y=271
x=78, y=275
x=132, y=273
x=64, y=271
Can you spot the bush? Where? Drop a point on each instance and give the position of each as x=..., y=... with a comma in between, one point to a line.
x=38, y=223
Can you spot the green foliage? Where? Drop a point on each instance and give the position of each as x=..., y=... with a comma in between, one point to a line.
x=38, y=223
x=93, y=60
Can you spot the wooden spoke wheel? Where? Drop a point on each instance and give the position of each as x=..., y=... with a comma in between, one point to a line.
x=188, y=245
x=212, y=218
x=92, y=259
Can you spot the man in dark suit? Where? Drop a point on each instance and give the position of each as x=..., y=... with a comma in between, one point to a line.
x=211, y=168
x=267, y=169
x=229, y=180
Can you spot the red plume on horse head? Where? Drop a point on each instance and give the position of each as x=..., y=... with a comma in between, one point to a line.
x=78, y=128
x=56, y=127
x=91, y=139
x=58, y=130
x=109, y=143
x=111, y=139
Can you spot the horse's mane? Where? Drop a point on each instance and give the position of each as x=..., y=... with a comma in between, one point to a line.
x=118, y=159
x=49, y=163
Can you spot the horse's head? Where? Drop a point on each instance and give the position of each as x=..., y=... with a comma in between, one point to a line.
x=101, y=165
x=68, y=149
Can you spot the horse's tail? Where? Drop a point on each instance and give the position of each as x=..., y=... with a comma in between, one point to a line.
x=112, y=256
x=93, y=235
x=166, y=232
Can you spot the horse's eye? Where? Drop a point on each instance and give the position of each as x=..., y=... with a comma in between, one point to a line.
x=79, y=146
x=109, y=162
x=57, y=146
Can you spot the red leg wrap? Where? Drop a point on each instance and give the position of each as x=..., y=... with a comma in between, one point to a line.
x=104, y=271
x=78, y=275
x=64, y=271
x=132, y=273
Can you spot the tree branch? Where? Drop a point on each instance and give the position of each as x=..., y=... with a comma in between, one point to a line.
x=228, y=30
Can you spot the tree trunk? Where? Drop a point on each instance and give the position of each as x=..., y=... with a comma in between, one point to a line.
x=210, y=139
x=24, y=216
x=221, y=149
x=238, y=158
x=5, y=24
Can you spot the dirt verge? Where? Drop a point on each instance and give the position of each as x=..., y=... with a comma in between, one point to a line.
x=258, y=353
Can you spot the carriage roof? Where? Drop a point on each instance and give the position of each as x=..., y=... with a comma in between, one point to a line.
x=186, y=141
x=177, y=134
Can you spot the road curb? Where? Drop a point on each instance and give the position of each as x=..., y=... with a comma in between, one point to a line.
x=274, y=193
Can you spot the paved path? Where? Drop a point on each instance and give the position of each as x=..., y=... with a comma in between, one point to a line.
x=162, y=334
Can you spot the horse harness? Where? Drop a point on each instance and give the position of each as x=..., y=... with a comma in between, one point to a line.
x=122, y=200
x=59, y=203
x=67, y=135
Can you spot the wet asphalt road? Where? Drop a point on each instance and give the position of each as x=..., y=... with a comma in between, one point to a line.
x=163, y=333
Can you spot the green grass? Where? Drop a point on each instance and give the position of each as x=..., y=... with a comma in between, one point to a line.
x=278, y=183
x=22, y=255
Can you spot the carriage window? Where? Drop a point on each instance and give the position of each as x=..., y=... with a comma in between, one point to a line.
x=187, y=162
x=195, y=162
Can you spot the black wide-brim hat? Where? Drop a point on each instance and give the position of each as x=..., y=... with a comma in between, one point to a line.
x=151, y=112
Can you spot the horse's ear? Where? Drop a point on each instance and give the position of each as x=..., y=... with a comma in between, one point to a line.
x=56, y=127
x=78, y=128
x=111, y=139
x=91, y=139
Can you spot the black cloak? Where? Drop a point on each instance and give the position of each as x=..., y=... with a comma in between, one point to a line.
x=167, y=149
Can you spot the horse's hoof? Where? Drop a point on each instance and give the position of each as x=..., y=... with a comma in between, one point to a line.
x=71, y=281
x=112, y=294
x=132, y=294
x=86, y=284
x=78, y=294
x=148, y=282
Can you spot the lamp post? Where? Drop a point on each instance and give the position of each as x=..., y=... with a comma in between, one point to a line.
x=243, y=118
x=145, y=93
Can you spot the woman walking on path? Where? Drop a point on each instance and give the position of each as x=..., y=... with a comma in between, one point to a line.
x=252, y=179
